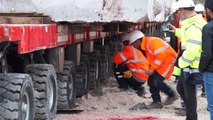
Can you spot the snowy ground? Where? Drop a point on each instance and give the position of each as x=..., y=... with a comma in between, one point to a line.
x=114, y=105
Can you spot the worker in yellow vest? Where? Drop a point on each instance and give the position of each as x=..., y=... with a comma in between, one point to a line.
x=191, y=38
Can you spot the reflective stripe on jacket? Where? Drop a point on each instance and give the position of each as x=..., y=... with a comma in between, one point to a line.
x=191, y=35
x=160, y=55
x=135, y=61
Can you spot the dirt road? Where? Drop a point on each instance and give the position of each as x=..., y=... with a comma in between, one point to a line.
x=115, y=104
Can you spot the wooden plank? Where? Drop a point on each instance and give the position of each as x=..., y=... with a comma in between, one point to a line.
x=24, y=20
x=34, y=14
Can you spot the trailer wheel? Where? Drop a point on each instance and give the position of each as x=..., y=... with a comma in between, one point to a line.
x=66, y=86
x=46, y=92
x=4, y=65
x=82, y=76
x=16, y=97
x=94, y=84
x=104, y=62
x=113, y=48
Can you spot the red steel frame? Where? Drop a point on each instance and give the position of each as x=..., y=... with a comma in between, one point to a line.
x=33, y=37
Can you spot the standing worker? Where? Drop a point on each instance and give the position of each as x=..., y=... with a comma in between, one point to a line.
x=199, y=9
x=190, y=34
x=175, y=41
x=130, y=67
x=161, y=58
x=206, y=61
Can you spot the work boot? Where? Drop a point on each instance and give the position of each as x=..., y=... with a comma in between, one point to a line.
x=181, y=112
x=171, y=99
x=156, y=105
x=141, y=92
x=139, y=106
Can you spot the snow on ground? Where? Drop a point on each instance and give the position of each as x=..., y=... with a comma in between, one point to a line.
x=114, y=104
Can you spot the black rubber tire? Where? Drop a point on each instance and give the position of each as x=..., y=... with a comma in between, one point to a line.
x=114, y=47
x=104, y=62
x=67, y=86
x=16, y=97
x=46, y=90
x=4, y=65
x=94, y=83
x=82, y=76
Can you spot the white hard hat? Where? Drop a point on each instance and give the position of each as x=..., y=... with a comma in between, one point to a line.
x=174, y=7
x=185, y=4
x=135, y=35
x=125, y=37
x=199, y=8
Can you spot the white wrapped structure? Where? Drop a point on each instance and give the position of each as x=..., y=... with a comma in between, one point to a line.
x=92, y=10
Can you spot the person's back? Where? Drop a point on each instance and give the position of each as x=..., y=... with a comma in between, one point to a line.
x=160, y=55
x=206, y=61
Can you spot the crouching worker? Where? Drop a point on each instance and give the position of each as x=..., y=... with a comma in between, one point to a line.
x=162, y=58
x=130, y=67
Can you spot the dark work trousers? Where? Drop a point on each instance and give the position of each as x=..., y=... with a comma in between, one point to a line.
x=187, y=91
x=123, y=82
x=156, y=84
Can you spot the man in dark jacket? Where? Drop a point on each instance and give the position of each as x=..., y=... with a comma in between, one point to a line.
x=206, y=61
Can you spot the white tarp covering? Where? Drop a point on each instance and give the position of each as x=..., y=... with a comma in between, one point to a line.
x=92, y=10
x=10, y=6
x=159, y=9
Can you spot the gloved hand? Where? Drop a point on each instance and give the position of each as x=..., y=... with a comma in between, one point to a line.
x=127, y=74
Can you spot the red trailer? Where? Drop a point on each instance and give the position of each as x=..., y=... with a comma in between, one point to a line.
x=46, y=64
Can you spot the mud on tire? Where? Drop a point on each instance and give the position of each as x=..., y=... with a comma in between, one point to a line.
x=46, y=92
x=16, y=97
x=66, y=86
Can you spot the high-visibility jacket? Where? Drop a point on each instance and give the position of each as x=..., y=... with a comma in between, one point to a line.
x=191, y=36
x=176, y=71
x=161, y=56
x=134, y=60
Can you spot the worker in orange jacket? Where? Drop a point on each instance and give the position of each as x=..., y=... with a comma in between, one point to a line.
x=161, y=57
x=130, y=67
